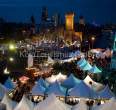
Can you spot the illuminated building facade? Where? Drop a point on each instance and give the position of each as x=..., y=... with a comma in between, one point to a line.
x=70, y=34
x=69, y=21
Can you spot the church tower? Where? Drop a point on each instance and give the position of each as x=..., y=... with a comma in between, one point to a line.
x=69, y=21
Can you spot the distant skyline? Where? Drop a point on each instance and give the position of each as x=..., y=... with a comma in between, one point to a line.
x=98, y=11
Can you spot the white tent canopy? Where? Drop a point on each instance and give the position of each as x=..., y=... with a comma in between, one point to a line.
x=56, y=88
x=80, y=106
x=24, y=104
x=60, y=77
x=71, y=81
x=42, y=82
x=106, y=93
x=82, y=90
x=51, y=79
x=10, y=105
x=38, y=90
x=92, y=84
x=50, y=60
x=9, y=84
x=3, y=90
x=52, y=103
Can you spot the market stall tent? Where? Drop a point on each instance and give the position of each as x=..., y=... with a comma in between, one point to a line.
x=51, y=79
x=71, y=81
x=42, y=82
x=82, y=90
x=10, y=105
x=106, y=93
x=9, y=84
x=60, y=77
x=56, y=89
x=3, y=90
x=24, y=104
x=38, y=89
x=92, y=84
x=52, y=103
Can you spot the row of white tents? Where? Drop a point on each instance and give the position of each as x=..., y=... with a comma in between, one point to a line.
x=53, y=103
x=70, y=86
x=73, y=87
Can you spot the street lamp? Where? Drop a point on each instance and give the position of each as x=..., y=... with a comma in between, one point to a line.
x=12, y=47
x=79, y=46
x=11, y=59
x=92, y=41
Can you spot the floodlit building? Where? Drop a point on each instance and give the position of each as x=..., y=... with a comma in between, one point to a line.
x=69, y=21
x=70, y=34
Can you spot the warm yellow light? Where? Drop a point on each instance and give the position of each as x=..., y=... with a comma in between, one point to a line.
x=69, y=21
x=6, y=71
x=11, y=59
x=12, y=47
x=93, y=38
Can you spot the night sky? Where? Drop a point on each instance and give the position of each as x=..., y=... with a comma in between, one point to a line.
x=99, y=11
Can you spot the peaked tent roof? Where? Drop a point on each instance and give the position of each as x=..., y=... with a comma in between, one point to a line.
x=71, y=81
x=82, y=90
x=9, y=84
x=50, y=60
x=80, y=106
x=105, y=93
x=10, y=105
x=3, y=90
x=56, y=88
x=52, y=103
x=38, y=90
x=92, y=84
x=24, y=104
x=81, y=62
x=60, y=77
x=86, y=67
x=95, y=70
x=42, y=82
x=51, y=79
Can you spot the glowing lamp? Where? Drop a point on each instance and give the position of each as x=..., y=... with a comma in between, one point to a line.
x=11, y=59
x=11, y=47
